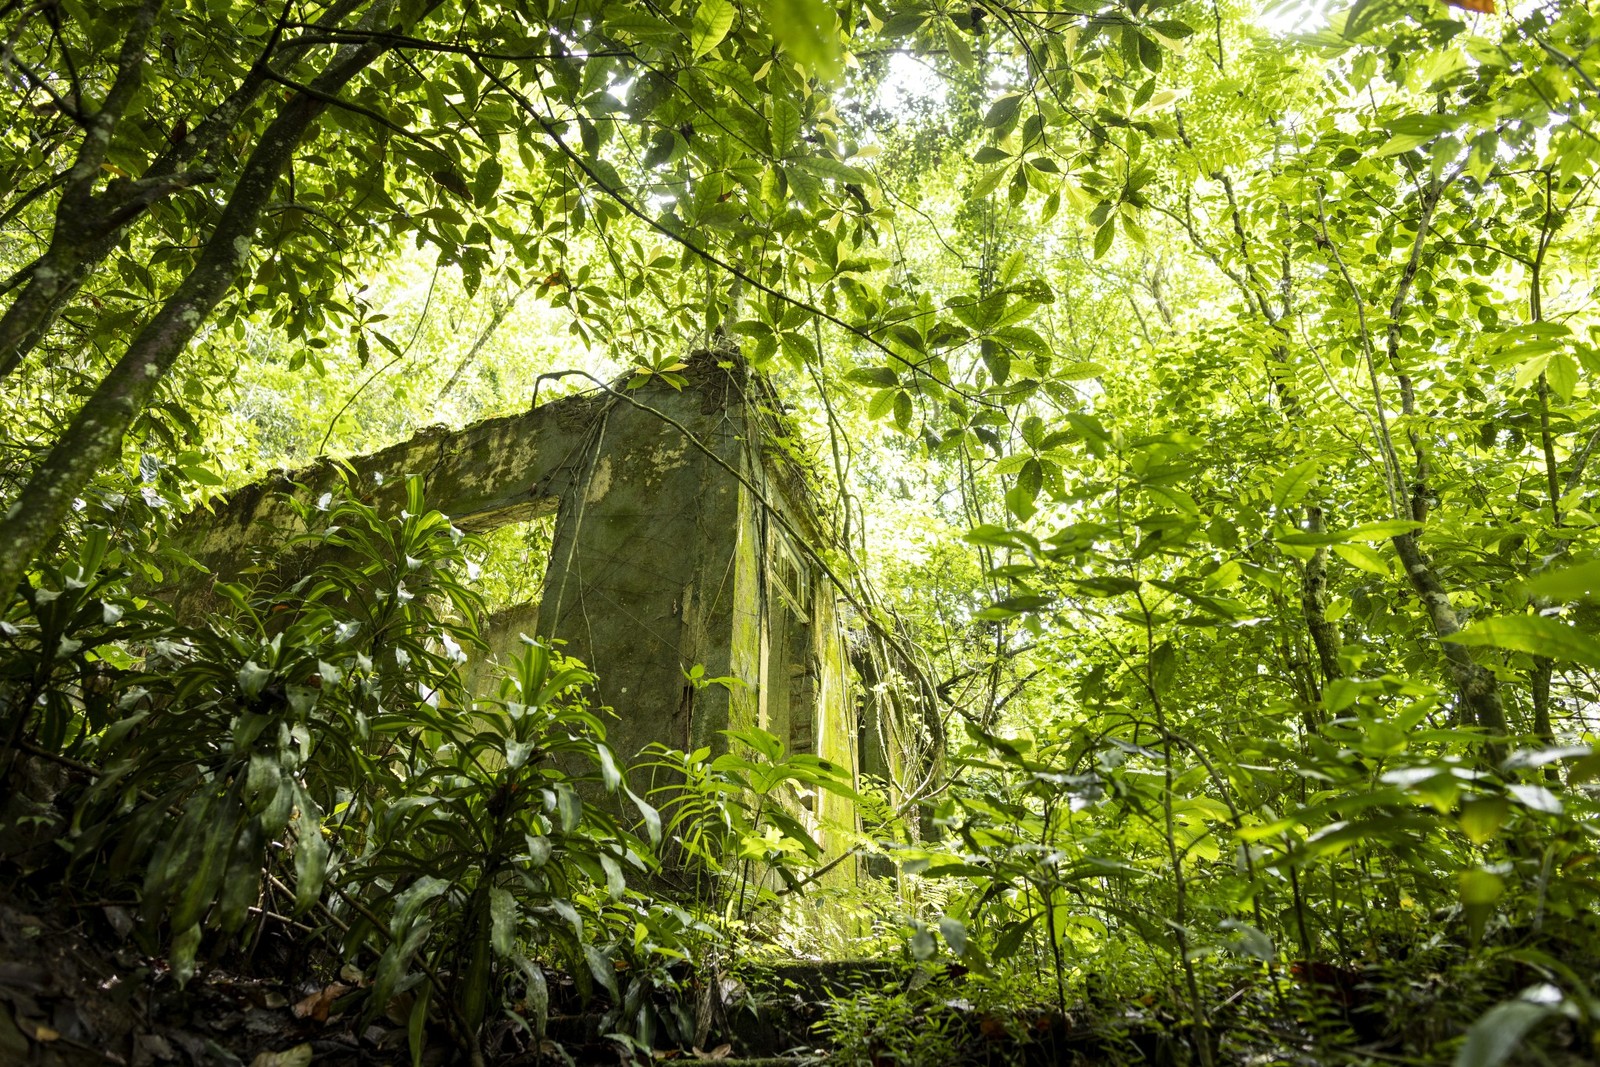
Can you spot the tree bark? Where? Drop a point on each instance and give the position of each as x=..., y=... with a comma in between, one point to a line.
x=1477, y=687
x=90, y=226
x=94, y=437
x=56, y=273
x=1314, y=603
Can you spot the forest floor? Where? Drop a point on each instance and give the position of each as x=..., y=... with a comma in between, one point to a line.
x=76, y=991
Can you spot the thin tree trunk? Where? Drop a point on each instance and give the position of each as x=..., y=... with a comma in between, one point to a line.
x=94, y=438
x=1539, y=681
x=1477, y=688
x=1314, y=603
x=90, y=226
x=57, y=273
x=1480, y=694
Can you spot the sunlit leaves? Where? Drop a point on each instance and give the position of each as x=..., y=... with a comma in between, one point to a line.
x=712, y=20
x=809, y=31
x=1537, y=635
x=1295, y=482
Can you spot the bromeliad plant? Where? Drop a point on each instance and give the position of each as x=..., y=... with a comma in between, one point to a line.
x=490, y=855
x=238, y=734
x=311, y=747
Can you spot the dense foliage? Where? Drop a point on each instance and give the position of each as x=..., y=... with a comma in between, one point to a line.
x=1213, y=404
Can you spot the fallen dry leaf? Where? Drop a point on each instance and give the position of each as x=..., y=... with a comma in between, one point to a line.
x=44, y=1034
x=317, y=1005
x=721, y=1052
x=299, y=1056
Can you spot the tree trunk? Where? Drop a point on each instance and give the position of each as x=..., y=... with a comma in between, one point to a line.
x=58, y=272
x=1314, y=603
x=94, y=438
x=89, y=227
x=1479, y=692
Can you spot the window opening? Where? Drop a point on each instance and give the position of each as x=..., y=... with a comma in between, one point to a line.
x=514, y=560
x=792, y=671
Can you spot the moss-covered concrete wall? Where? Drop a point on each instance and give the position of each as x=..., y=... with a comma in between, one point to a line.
x=663, y=558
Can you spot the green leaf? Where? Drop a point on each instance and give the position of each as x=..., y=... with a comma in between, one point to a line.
x=883, y=377
x=502, y=920
x=1249, y=941
x=1103, y=237
x=601, y=968
x=998, y=362
x=1020, y=503
x=616, y=885
x=487, y=182
x=1481, y=888
x=651, y=817
x=1569, y=584
x=880, y=403
x=569, y=808
x=809, y=31
x=1537, y=798
x=416, y=1026
x=902, y=410
x=955, y=934
x=712, y=21
x=1364, y=558
x=785, y=126
x=1482, y=817
x=1371, y=531
x=828, y=167
x=252, y=679
x=608, y=768
x=184, y=946
x=310, y=854
x=1003, y=112
x=1562, y=374
x=1293, y=483
x=1078, y=371
x=987, y=181
x=1496, y=1035
x=1365, y=15
x=1538, y=635
x=538, y=995
x=904, y=24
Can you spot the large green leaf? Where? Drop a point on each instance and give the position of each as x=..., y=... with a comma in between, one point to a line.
x=1497, y=1033
x=1539, y=635
x=712, y=20
x=809, y=31
x=1580, y=582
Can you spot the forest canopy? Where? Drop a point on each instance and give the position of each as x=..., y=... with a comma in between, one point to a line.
x=1199, y=396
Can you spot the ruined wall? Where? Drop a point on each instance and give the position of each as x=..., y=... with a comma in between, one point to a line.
x=500, y=470
x=662, y=558
x=641, y=581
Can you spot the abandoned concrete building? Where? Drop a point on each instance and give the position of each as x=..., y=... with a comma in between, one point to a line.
x=682, y=519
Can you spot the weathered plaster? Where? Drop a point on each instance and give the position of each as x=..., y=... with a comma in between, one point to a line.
x=661, y=560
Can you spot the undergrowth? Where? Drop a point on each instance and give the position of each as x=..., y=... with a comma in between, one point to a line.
x=301, y=759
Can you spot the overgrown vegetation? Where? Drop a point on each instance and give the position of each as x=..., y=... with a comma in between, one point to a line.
x=1212, y=404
